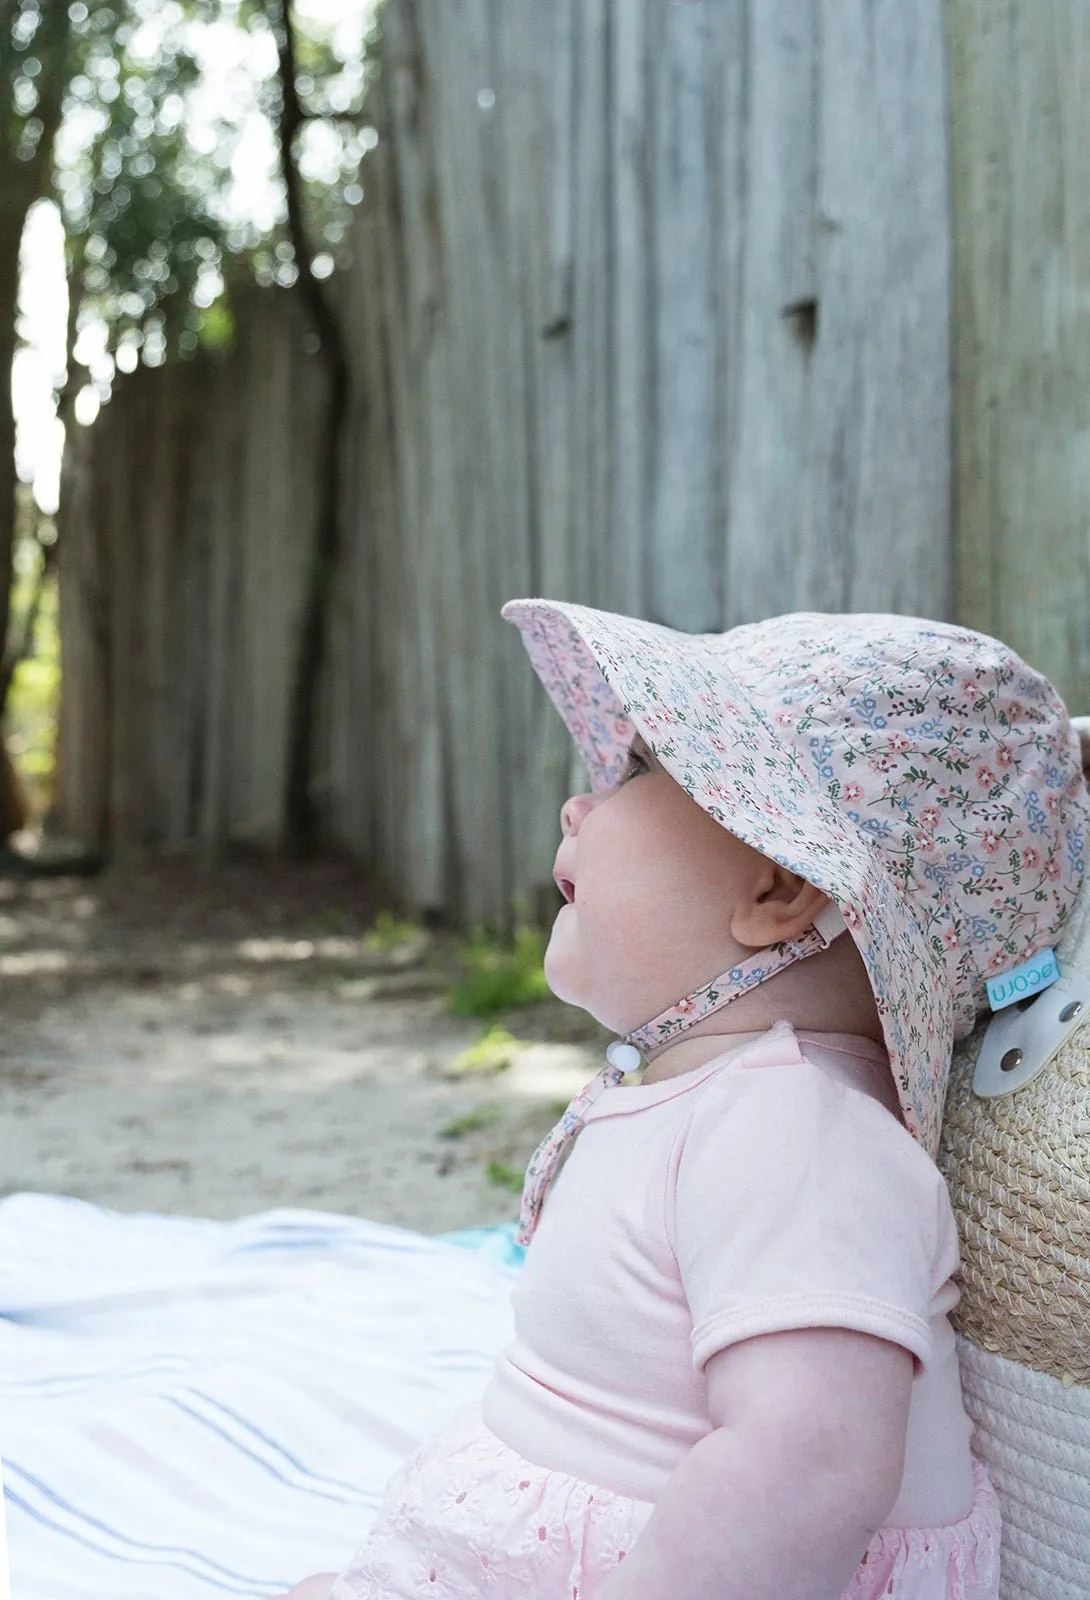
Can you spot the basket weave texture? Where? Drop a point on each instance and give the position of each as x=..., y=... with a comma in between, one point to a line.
x=1034, y=1437
x=1018, y=1168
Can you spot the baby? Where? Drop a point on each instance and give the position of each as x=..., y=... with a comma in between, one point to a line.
x=808, y=844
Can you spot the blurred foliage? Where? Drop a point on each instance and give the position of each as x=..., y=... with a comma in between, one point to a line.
x=504, y=1176
x=390, y=933
x=497, y=976
x=477, y=1121
x=34, y=52
x=493, y=1052
x=136, y=207
x=331, y=83
x=31, y=720
x=149, y=167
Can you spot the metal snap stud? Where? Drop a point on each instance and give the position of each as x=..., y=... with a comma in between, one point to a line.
x=1012, y=1059
x=1071, y=1011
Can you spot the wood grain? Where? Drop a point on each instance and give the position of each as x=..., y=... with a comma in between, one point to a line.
x=1020, y=148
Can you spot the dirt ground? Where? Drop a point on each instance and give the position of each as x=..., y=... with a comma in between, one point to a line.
x=218, y=1041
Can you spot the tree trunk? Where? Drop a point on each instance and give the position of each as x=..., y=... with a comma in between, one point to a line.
x=24, y=178
x=13, y=208
x=300, y=816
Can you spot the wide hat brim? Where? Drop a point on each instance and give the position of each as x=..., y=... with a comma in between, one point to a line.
x=610, y=676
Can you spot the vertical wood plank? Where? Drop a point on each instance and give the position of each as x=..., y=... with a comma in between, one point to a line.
x=773, y=223
x=685, y=573
x=881, y=401
x=1020, y=137
x=632, y=234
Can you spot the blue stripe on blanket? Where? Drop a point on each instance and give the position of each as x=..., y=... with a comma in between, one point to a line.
x=293, y=1461
x=255, y=1456
x=95, y=1535
x=192, y=1409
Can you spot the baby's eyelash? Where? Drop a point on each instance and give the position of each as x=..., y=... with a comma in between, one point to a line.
x=635, y=764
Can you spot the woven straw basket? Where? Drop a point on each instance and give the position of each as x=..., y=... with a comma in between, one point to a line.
x=1019, y=1174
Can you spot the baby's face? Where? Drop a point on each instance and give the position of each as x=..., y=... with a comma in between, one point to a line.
x=651, y=884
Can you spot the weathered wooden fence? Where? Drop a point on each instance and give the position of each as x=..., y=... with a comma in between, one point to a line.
x=187, y=510
x=649, y=308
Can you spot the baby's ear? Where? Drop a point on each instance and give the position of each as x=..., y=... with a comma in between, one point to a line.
x=782, y=907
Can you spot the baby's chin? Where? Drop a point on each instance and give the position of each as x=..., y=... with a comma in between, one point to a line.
x=557, y=967
x=568, y=983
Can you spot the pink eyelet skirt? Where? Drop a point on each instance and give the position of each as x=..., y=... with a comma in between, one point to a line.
x=467, y=1518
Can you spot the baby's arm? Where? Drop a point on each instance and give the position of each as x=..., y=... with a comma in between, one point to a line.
x=804, y=1464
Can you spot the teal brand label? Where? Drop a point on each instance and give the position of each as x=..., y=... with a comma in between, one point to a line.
x=1022, y=983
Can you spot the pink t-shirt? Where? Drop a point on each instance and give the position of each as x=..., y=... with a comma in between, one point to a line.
x=767, y=1190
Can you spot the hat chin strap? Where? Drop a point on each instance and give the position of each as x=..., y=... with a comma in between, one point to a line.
x=624, y=1055
x=755, y=969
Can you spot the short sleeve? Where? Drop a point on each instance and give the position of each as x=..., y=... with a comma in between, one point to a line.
x=800, y=1202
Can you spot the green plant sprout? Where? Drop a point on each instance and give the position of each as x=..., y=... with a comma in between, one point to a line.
x=496, y=976
x=493, y=1052
x=390, y=933
x=472, y=1122
x=504, y=1176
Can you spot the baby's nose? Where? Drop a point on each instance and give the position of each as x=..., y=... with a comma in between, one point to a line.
x=573, y=811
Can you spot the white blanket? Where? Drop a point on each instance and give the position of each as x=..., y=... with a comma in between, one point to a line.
x=192, y=1409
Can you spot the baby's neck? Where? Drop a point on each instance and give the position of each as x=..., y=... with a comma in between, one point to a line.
x=686, y=1055
x=826, y=993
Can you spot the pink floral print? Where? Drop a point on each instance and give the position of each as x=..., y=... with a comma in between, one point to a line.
x=467, y=1518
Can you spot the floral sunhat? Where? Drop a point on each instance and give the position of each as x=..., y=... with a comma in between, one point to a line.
x=921, y=774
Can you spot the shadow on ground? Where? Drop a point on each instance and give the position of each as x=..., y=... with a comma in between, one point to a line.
x=218, y=1041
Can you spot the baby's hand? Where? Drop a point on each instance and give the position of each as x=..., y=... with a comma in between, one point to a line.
x=317, y=1588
